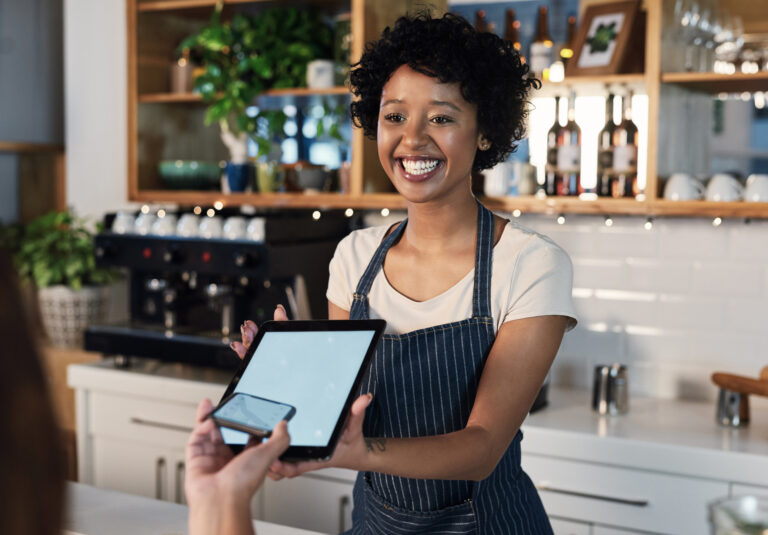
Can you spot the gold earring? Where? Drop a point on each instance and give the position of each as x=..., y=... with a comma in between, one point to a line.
x=485, y=144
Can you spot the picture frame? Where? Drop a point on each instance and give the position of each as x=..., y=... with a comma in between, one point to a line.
x=609, y=40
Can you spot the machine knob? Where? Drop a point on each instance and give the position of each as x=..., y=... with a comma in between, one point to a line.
x=104, y=250
x=242, y=259
x=172, y=255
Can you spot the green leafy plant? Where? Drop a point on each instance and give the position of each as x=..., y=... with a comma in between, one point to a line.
x=250, y=54
x=57, y=248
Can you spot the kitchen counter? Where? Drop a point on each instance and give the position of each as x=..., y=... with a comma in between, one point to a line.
x=661, y=435
x=93, y=511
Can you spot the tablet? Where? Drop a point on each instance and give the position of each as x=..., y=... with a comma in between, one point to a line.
x=315, y=367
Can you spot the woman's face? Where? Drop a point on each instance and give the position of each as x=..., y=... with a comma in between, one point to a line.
x=427, y=136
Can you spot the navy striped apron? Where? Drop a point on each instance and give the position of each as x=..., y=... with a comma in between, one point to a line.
x=424, y=383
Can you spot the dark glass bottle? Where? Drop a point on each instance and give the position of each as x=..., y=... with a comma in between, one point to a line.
x=569, y=153
x=481, y=23
x=605, y=152
x=540, y=57
x=566, y=52
x=512, y=32
x=625, y=139
x=551, y=174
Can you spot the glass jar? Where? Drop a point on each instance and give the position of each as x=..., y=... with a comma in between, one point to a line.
x=741, y=515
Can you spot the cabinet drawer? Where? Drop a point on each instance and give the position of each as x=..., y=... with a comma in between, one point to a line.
x=623, y=497
x=567, y=527
x=140, y=419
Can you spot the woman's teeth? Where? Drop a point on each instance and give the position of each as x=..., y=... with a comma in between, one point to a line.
x=419, y=167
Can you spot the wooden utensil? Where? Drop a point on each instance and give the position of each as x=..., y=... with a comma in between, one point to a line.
x=733, y=402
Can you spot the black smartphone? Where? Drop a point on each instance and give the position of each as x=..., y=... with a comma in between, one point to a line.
x=251, y=414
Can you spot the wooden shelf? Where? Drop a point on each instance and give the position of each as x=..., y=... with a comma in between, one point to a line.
x=23, y=147
x=718, y=83
x=591, y=85
x=178, y=5
x=195, y=97
x=528, y=204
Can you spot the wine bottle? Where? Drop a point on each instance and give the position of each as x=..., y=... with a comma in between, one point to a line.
x=569, y=153
x=550, y=170
x=566, y=52
x=481, y=23
x=605, y=151
x=512, y=32
x=625, y=141
x=540, y=57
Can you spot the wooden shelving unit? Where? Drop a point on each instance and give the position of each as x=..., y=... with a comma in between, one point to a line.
x=718, y=83
x=368, y=17
x=195, y=97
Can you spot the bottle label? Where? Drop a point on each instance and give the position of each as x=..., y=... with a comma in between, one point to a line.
x=605, y=160
x=541, y=57
x=625, y=159
x=568, y=158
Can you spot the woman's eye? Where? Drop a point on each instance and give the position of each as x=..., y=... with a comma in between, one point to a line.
x=394, y=117
x=441, y=119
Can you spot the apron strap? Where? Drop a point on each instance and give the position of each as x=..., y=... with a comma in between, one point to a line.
x=364, y=285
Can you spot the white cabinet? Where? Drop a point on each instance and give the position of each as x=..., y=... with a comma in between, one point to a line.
x=738, y=489
x=615, y=496
x=568, y=527
x=312, y=501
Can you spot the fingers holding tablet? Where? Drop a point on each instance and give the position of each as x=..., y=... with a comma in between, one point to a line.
x=249, y=330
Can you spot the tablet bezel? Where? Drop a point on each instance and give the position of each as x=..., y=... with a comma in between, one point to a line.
x=303, y=453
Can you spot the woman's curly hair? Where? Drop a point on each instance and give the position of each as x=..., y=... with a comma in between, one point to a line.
x=489, y=70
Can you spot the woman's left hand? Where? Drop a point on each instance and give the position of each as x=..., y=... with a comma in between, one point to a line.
x=351, y=451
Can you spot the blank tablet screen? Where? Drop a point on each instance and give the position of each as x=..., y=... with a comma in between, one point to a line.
x=312, y=370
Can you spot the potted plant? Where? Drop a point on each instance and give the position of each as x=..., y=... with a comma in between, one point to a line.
x=55, y=252
x=245, y=57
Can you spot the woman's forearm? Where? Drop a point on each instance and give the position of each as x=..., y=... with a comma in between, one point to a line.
x=467, y=455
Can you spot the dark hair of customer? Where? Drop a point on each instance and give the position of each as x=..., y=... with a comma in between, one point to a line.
x=488, y=69
x=32, y=478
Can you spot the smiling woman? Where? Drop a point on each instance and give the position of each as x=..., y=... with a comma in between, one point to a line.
x=476, y=306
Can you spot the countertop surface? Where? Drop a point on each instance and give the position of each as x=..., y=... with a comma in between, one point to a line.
x=93, y=511
x=657, y=434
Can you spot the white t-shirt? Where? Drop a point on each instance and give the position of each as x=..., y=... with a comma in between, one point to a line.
x=531, y=276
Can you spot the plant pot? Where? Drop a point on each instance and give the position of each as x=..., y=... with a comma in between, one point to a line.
x=66, y=312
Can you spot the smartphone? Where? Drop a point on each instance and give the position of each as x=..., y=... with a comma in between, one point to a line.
x=251, y=414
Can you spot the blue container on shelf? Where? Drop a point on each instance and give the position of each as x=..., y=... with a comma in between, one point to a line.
x=239, y=175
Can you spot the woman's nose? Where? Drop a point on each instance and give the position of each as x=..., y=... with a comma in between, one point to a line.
x=416, y=134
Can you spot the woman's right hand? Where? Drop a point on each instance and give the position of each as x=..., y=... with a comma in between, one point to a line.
x=249, y=329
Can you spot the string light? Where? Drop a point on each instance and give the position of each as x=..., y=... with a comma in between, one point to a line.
x=197, y=210
x=161, y=213
x=385, y=212
x=349, y=212
x=561, y=219
x=316, y=215
x=211, y=212
x=516, y=212
x=716, y=222
x=608, y=221
x=218, y=205
x=145, y=209
x=648, y=225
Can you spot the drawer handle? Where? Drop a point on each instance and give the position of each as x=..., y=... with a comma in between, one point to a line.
x=161, y=425
x=180, y=482
x=626, y=501
x=159, y=479
x=343, y=504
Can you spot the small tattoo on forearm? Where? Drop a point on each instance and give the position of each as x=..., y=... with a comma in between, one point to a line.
x=376, y=444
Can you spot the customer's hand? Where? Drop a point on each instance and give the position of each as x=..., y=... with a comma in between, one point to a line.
x=219, y=485
x=249, y=329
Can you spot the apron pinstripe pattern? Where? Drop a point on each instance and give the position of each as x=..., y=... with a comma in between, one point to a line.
x=424, y=383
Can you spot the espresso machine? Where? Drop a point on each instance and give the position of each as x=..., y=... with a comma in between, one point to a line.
x=189, y=295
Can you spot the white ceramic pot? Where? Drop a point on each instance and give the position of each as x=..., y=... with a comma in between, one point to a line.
x=66, y=312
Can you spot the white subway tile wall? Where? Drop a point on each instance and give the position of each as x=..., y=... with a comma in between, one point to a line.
x=674, y=303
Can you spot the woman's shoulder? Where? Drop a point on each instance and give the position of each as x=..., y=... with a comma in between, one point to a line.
x=362, y=241
x=526, y=246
